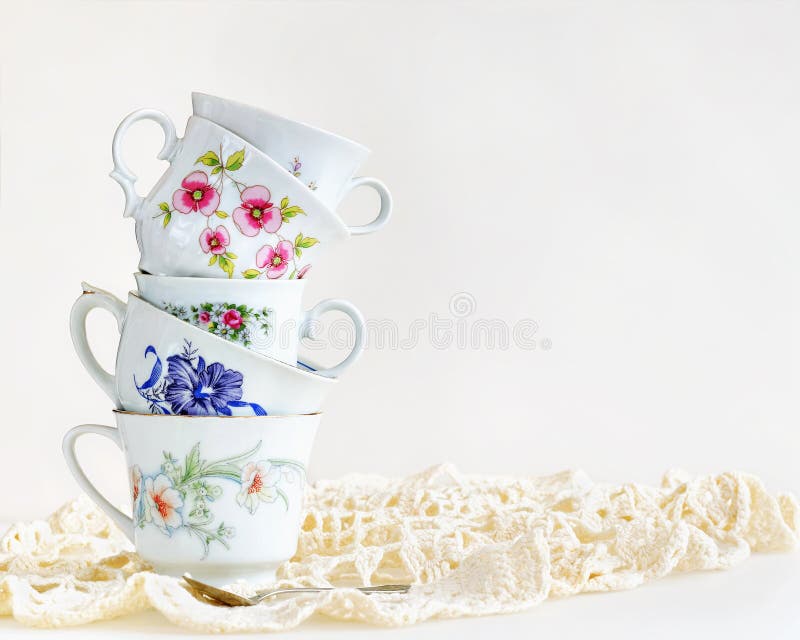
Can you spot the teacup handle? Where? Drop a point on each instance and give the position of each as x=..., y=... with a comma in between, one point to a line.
x=68, y=448
x=124, y=176
x=386, y=204
x=94, y=298
x=335, y=304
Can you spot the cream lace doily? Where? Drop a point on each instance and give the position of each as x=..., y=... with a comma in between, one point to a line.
x=472, y=545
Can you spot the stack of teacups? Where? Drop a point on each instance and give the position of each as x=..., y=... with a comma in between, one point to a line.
x=214, y=412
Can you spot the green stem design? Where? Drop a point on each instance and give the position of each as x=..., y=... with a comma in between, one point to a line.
x=283, y=497
x=206, y=536
x=190, y=480
x=213, y=470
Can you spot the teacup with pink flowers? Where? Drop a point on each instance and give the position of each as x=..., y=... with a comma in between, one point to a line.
x=224, y=209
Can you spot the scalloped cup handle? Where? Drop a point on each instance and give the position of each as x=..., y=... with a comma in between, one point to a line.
x=121, y=173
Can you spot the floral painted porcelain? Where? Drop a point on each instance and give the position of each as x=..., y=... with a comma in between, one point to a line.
x=219, y=498
x=324, y=162
x=166, y=366
x=261, y=315
x=223, y=209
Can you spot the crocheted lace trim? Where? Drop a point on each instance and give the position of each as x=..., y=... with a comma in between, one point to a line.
x=470, y=545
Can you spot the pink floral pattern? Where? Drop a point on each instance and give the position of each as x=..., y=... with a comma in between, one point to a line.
x=215, y=241
x=196, y=194
x=275, y=260
x=232, y=318
x=255, y=214
x=235, y=322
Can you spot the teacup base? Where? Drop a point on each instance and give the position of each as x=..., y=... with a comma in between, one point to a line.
x=259, y=575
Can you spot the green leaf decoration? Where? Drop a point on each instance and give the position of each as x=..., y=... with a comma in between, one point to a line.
x=298, y=252
x=226, y=265
x=231, y=256
x=221, y=214
x=284, y=202
x=212, y=261
x=209, y=158
x=307, y=243
x=216, y=170
x=167, y=218
x=251, y=274
x=292, y=274
x=298, y=239
x=164, y=207
x=192, y=462
x=235, y=160
x=230, y=473
x=291, y=212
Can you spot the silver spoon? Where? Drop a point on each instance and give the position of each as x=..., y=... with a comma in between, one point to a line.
x=235, y=600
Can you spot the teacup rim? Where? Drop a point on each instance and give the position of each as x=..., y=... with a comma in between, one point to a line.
x=243, y=281
x=307, y=193
x=169, y=415
x=294, y=370
x=278, y=116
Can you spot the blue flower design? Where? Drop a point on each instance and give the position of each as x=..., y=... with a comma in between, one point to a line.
x=190, y=387
x=201, y=390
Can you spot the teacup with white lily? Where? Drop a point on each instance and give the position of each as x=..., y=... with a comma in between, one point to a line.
x=218, y=497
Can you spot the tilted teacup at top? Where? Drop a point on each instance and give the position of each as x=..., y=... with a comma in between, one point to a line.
x=224, y=209
x=262, y=315
x=324, y=162
x=221, y=498
x=166, y=366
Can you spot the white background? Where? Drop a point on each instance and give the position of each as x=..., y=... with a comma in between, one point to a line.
x=625, y=174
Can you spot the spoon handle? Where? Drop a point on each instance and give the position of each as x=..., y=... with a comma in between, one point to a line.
x=262, y=595
x=384, y=588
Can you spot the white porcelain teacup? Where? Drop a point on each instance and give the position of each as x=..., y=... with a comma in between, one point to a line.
x=221, y=498
x=166, y=366
x=260, y=315
x=325, y=162
x=225, y=209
